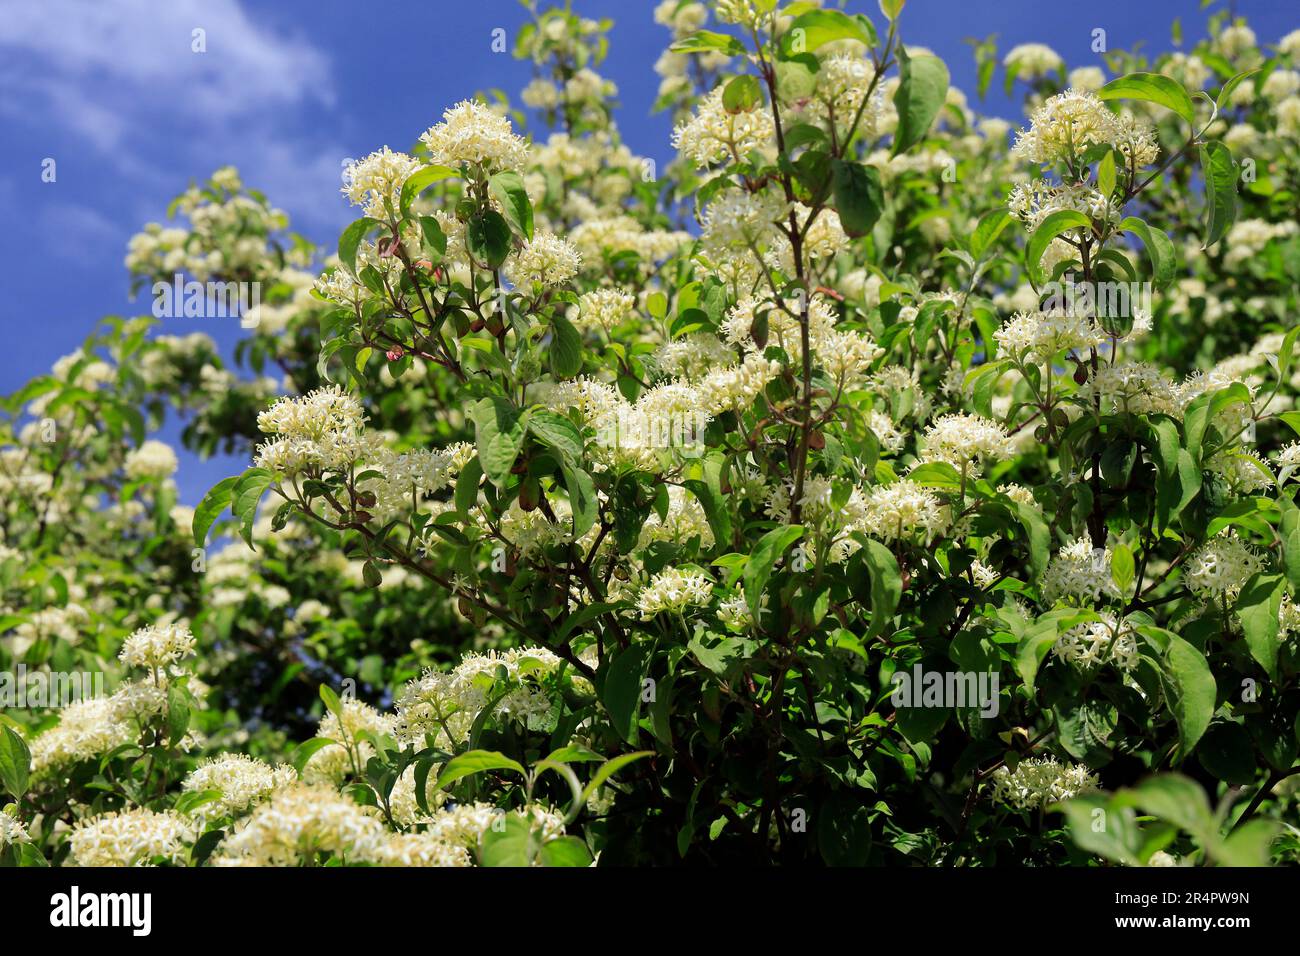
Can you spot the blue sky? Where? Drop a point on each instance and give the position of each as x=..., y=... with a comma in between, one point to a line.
x=288, y=90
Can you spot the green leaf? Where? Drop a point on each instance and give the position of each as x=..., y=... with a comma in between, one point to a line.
x=859, y=197
x=742, y=94
x=1179, y=800
x=351, y=238
x=247, y=493
x=556, y=431
x=476, y=761
x=920, y=95
x=1193, y=691
x=565, y=851
x=507, y=188
x=419, y=181
x=609, y=768
x=766, y=553
x=704, y=41
x=1063, y=220
x=1221, y=100
x=15, y=762
x=217, y=500
x=190, y=801
x=303, y=752
x=988, y=229
x=1122, y=567
x=1119, y=839
x=1161, y=252
x=487, y=236
x=1257, y=608
x=499, y=436
x=886, y=584
x=1153, y=88
x=566, y=348
x=1220, y=190
x=178, y=714
x=814, y=29
x=1106, y=173
x=509, y=841
x=621, y=691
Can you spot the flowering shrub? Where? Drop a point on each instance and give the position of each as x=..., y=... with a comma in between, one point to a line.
x=868, y=486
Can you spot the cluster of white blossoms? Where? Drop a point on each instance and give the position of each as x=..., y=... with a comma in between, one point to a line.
x=674, y=590
x=474, y=134
x=1137, y=388
x=12, y=830
x=604, y=309
x=1038, y=782
x=546, y=260
x=904, y=511
x=1222, y=566
x=137, y=837
x=444, y=705
x=965, y=441
x=1069, y=123
x=152, y=460
x=714, y=134
x=1110, y=640
x=375, y=183
x=1032, y=61
x=1037, y=337
x=842, y=84
x=1248, y=237
x=298, y=823
x=1034, y=201
x=157, y=647
x=324, y=429
x=243, y=783
x=1079, y=573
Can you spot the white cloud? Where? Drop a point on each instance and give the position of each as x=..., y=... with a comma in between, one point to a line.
x=123, y=80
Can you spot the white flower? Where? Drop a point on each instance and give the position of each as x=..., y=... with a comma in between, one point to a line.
x=713, y=134
x=472, y=133
x=153, y=459
x=375, y=183
x=1079, y=572
x=157, y=647
x=904, y=510
x=131, y=838
x=547, y=259
x=1222, y=566
x=674, y=590
x=1032, y=60
x=1041, y=781
x=965, y=441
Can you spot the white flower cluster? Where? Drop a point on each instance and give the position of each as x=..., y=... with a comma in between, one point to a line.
x=243, y=782
x=1222, y=566
x=444, y=705
x=904, y=511
x=152, y=460
x=1110, y=640
x=1069, y=123
x=157, y=647
x=673, y=590
x=1041, y=781
x=966, y=442
x=375, y=183
x=473, y=134
x=323, y=430
x=1032, y=61
x=547, y=260
x=1080, y=573
x=1038, y=337
x=714, y=134
x=136, y=837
